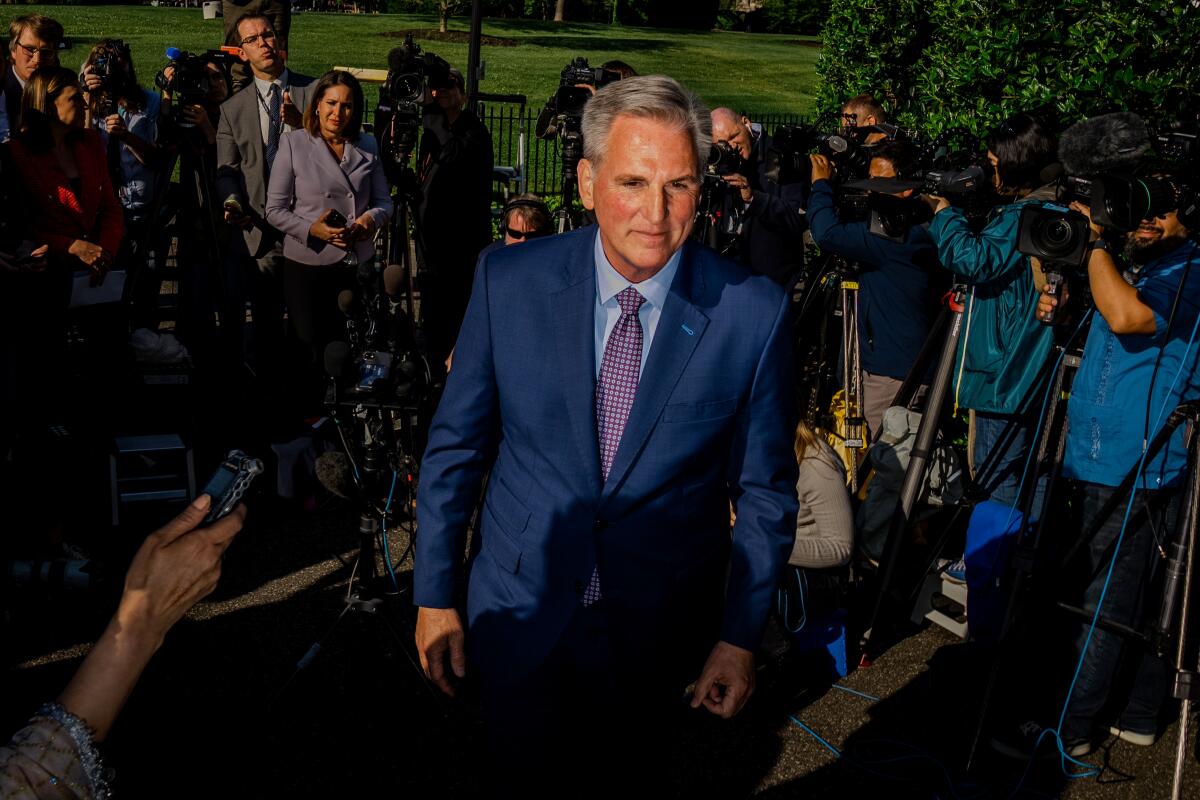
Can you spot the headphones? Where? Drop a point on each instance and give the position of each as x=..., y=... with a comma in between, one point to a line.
x=513, y=205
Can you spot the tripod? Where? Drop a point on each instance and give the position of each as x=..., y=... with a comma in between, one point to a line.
x=841, y=301
x=565, y=218
x=914, y=476
x=380, y=457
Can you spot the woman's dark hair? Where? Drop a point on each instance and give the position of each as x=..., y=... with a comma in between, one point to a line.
x=37, y=105
x=328, y=81
x=1023, y=147
x=121, y=83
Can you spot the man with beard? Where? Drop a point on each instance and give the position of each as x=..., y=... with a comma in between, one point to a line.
x=1139, y=364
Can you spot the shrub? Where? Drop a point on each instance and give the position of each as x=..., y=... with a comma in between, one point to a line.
x=938, y=64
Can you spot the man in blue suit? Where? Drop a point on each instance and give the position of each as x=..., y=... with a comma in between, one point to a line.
x=617, y=387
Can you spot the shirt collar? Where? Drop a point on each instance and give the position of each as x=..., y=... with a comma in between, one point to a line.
x=265, y=86
x=655, y=289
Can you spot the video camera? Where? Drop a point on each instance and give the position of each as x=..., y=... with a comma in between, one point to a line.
x=1113, y=183
x=723, y=159
x=563, y=112
x=112, y=55
x=190, y=80
x=412, y=73
x=788, y=157
x=380, y=359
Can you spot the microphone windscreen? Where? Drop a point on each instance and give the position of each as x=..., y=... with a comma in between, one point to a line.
x=397, y=57
x=393, y=279
x=1108, y=143
x=174, y=53
x=336, y=356
x=334, y=472
x=346, y=301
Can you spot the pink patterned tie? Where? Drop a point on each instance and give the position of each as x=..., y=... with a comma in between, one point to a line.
x=615, y=390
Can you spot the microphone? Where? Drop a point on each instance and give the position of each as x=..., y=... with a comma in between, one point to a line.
x=393, y=280
x=336, y=356
x=174, y=53
x=1108, y=143
x=348, y=303
x=336, y=475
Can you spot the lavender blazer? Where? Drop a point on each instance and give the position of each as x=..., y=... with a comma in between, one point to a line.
x=306, y=179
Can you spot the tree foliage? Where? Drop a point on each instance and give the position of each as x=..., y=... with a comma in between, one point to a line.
x=938, y=64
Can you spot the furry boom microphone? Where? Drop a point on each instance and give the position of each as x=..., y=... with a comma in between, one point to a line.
x=1105, y=144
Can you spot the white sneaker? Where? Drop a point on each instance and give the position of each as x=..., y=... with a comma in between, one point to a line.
x=1133, y=737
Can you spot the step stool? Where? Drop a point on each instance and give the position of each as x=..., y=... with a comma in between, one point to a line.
x=150, y=469
x=937, y=584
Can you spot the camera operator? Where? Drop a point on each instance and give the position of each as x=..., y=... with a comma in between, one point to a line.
x=455, y=210
x=770, y=216
x=188, y=128
x=525, y=217
x=865, y=111
x=1003, y=350
x=252, y=124
x=1138, y=362
x=127, y=117
x=898, y=279
x=33, y=42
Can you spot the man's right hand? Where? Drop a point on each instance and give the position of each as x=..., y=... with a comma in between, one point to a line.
x=238, y=220
x=440, y=638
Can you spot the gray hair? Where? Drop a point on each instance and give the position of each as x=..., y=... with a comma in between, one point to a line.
x=656, y=97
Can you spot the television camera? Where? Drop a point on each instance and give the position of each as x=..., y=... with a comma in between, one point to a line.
x=412, y=74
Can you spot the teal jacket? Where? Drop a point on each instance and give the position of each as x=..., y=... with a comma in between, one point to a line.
x=1002, y=348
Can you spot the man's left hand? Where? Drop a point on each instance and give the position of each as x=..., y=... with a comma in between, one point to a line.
x=727, y=680
x=1086, y=210
x=740, y=183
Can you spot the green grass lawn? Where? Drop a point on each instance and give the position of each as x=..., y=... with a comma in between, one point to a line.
x=768, y=74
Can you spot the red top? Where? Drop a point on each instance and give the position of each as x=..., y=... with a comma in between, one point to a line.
x=58, y=215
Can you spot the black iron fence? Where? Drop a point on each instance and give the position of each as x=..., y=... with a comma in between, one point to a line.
x=512, y=125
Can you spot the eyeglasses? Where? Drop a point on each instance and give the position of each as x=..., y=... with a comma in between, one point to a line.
x=44, y=52
x=513, y=233
x=269, y=36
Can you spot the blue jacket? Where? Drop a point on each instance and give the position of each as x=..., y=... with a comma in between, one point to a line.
x=1002, y=348
x=712, y=422
x=898, y=284
x=1107, y=409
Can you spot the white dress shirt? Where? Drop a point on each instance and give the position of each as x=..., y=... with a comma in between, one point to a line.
x=609, y=283
x=264, y=102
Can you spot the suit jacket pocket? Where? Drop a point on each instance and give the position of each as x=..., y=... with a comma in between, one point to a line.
x=502, y=549
x=699, y=412
x=507, y=508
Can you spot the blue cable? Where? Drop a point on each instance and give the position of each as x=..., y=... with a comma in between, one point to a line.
x=848, y=690
x=1042, y=418
x=802, y=582
x=387, y=553
x=837, y=753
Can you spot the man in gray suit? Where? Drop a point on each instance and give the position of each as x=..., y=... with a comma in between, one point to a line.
x=252, y=122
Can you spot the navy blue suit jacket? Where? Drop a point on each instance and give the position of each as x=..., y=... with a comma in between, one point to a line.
x=713, y=420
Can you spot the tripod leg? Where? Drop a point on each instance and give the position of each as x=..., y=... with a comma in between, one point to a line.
x=1185, y=680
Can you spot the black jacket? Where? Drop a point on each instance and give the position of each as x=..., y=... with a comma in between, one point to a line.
x=455, y=211
x=773, y=224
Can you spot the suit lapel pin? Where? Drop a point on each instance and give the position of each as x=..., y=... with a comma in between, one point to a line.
x=687, y=330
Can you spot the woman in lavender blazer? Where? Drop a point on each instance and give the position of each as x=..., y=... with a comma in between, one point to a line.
x=326, y=166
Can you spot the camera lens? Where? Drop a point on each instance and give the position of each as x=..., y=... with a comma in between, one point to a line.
x=1055, y=236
